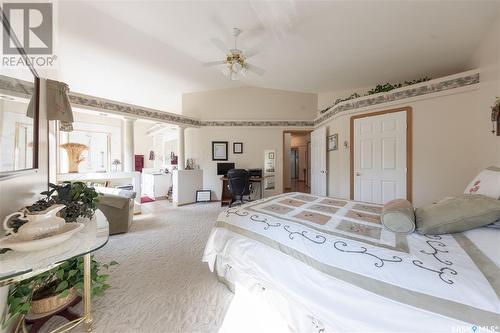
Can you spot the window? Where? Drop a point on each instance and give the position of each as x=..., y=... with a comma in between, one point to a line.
x=95, y=158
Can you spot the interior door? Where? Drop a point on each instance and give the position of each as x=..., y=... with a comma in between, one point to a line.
x=318, y=161
x=380, y=157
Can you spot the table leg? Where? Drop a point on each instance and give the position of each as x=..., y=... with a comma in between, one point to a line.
x=261, y=185
x=87, y=298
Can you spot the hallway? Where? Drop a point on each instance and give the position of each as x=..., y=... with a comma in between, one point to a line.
x=299, y=186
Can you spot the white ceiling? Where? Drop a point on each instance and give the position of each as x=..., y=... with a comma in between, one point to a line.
x=150, y=52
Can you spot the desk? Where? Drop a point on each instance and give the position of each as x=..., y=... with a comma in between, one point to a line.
x=17, y=266
x=226, y=193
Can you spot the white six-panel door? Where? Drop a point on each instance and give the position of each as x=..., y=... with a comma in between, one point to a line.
x=380, y=168
x=318, y=161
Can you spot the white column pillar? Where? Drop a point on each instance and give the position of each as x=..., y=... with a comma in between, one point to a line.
x=128, y=144
x=181, y=158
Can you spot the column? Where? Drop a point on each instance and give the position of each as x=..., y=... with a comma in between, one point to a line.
x=128, y=144
x=181, y=158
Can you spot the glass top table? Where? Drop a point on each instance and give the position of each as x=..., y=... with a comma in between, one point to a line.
x=18, y=266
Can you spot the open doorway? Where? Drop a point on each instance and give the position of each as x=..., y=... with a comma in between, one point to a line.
x=296, y=161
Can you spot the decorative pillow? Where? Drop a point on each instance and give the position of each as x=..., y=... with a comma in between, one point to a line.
x=457, y=214
x=398, y=216
x=486, y=183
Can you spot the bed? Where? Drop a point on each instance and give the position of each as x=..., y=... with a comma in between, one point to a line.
x=328, y=265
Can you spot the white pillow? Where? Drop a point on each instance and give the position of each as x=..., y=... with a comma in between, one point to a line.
x=486, y=183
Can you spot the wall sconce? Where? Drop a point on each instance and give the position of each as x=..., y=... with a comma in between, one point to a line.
x=346, y=144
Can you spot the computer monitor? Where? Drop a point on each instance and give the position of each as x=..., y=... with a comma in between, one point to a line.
x=223, y=168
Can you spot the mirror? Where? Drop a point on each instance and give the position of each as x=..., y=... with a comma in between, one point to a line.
x=18, y=137
x=19, y=104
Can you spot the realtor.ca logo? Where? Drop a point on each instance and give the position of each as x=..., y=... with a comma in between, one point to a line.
x=32, y=25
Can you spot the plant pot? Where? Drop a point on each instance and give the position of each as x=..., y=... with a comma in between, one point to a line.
x=52, y=303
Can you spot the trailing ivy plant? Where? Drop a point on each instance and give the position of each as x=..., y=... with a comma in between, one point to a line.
x=57, y=281
x=379, y=88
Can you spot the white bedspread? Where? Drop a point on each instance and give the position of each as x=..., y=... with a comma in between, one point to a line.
x=326, y=266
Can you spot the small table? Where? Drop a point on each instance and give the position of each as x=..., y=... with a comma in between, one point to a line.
x=226, y=193
x=18, y=266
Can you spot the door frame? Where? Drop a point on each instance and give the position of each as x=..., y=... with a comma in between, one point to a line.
x=409, y=147
x=296, y=162
x=283, y=150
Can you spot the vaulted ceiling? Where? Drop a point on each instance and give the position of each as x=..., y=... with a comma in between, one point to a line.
x=150, y=52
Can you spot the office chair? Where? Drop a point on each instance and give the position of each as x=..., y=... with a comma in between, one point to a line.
x=239, y=185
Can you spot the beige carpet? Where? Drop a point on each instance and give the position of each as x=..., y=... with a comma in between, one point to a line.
x=161, y=285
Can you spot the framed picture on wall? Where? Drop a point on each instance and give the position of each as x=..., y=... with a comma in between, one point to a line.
x=237, y=147
x=333, y=142
x=219, y=150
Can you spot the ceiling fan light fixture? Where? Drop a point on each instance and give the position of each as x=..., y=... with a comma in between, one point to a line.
x=235, y=64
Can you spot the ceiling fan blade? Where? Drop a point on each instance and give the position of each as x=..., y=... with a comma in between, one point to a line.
x=251, y=53
x=219, y=44
x=213, y=63
x=255, y=69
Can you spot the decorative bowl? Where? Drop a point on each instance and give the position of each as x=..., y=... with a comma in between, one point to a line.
x=62, y=235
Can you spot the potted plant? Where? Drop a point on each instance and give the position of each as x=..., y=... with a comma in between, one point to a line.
x=58, y=286
x=52, y=289
x=80, y=200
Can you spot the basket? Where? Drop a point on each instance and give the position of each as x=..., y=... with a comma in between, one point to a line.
x=52, y=304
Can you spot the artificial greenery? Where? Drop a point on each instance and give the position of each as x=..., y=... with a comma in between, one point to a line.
x=57, y=281
x=79, y=199
x=379, y=88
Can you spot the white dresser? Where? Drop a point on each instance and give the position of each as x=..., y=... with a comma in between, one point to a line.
x=156, y=185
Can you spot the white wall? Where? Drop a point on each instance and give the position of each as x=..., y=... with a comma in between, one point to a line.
x=143, y=143
x=487, y=59
x=451, y=143
x=250, y=103
x=255, y=141
x=247, y=103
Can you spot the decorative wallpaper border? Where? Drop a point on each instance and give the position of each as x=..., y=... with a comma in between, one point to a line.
x=399, y=94
x=23, y=88
x=259, y=123
x=129, y=110
x=19, y=88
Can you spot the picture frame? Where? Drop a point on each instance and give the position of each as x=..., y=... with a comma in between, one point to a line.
x=237, y=147
x=203, y=196
x=333, y=142
x=270, y=156
x=219, y=150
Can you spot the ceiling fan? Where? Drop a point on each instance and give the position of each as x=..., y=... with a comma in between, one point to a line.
x=235, y=64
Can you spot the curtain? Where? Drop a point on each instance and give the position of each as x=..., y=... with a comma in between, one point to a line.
x=58, y=105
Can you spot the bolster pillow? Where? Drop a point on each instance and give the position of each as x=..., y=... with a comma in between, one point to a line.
x=398, y=216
